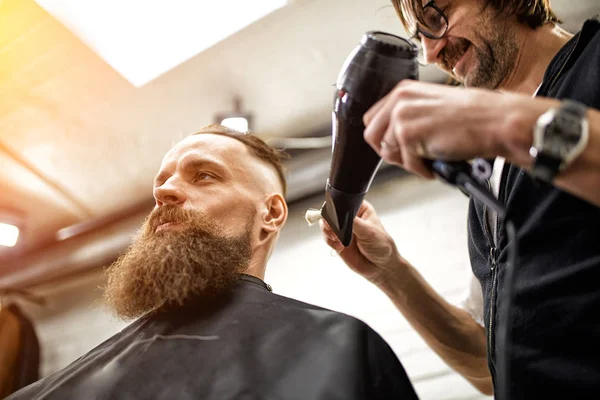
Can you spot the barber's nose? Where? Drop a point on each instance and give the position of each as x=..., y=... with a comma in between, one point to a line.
x=432, y=48
x=169, y=193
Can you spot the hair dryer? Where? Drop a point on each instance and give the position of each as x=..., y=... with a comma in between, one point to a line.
x=372, y=69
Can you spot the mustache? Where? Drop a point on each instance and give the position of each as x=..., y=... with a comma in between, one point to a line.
x=450, y=55
x=168, y=213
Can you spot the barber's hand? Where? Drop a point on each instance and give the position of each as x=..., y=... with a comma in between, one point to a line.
x=372, y=253
x=418, y=120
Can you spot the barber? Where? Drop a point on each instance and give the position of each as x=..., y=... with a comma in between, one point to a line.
x=530, y=102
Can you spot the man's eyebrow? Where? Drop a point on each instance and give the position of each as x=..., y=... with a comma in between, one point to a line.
x=198, y=163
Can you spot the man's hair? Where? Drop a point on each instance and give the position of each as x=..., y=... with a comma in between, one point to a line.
x=260, y=149
x=533, y=13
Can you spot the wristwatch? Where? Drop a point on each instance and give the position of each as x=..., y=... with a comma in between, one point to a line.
x=559, y=136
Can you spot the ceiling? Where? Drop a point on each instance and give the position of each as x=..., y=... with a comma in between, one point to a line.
x=79, y=142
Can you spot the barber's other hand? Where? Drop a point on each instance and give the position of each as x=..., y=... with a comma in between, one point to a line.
x=372, y=253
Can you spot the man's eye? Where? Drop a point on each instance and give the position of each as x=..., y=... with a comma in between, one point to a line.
x=202, y=176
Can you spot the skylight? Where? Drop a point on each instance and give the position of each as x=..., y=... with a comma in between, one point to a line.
x=143, y=39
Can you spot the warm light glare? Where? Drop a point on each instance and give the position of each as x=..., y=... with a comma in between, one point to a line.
x=239, y=124
x=9, y=234
x=143, y=39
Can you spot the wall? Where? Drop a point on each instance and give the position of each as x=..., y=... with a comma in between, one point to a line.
x=428, y=220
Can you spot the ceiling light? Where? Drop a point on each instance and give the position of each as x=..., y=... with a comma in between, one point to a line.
x=9, y=234
x=143, y=39
x=236, y=119
x=236, y=123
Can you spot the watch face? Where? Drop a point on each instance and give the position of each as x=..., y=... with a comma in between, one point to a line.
x=562, y=135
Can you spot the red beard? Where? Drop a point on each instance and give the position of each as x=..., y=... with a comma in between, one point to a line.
x=168, y=267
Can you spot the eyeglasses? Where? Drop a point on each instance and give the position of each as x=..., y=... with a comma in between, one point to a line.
x=436, y=22
x=434, y=25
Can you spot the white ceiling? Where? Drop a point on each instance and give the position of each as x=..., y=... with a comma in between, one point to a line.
x=78, y=141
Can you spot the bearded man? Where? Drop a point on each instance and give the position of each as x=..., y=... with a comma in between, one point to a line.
x=208, y=326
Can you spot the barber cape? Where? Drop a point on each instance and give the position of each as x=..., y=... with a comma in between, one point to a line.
x=253, y=344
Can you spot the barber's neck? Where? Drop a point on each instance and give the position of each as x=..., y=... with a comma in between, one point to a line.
x=537, y=49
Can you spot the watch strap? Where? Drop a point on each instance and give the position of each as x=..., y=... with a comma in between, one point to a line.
x=546, y=166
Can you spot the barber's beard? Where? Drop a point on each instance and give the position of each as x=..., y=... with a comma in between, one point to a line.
x=496, y=61
x=168, y=267
x=495, y=55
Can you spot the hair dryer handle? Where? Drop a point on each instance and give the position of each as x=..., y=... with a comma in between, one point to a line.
x=449, y=171
x=461, y=175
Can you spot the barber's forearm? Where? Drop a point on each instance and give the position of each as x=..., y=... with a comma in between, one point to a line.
x=448, y=330
x=582, y=177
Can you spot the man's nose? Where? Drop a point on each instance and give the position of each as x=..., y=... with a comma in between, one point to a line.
x=432, y=48
x=169, y=193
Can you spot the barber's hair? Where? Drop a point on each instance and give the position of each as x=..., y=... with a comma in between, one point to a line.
x=260, y=149
x=533, y=13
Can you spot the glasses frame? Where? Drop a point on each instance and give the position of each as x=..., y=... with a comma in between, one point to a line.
x=427, y=34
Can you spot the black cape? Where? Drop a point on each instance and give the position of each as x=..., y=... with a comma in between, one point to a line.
x=253, y=345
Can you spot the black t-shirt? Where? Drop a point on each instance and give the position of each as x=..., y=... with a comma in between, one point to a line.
x=252, y=344
x=555, y=316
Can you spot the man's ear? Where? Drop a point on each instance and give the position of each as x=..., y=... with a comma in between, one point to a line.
x=275, y=213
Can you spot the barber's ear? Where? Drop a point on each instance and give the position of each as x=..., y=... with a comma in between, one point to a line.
x=275, y=212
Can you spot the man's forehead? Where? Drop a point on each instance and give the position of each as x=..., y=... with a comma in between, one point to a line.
x=214, y=145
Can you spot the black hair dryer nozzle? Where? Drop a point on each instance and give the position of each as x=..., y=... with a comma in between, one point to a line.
x=371, y=71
